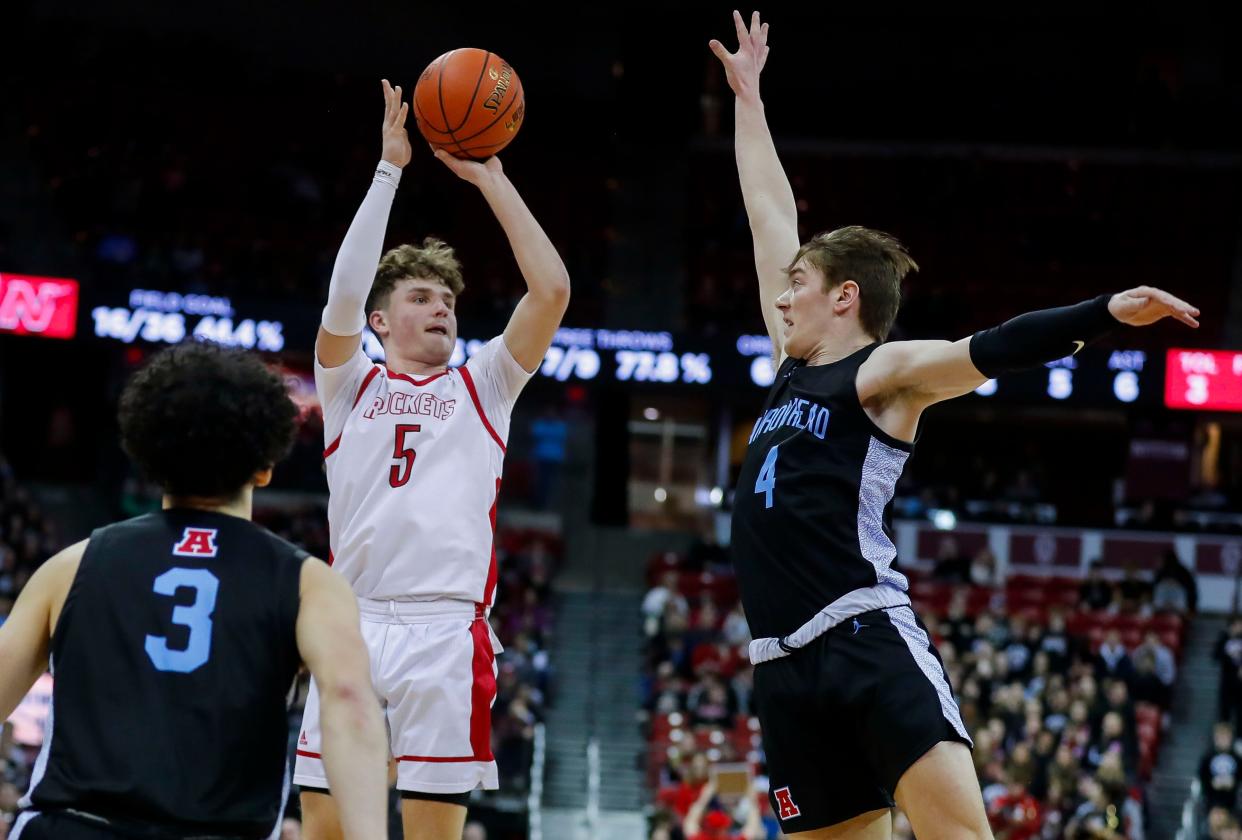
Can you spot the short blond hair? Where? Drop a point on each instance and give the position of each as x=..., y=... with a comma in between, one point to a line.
x=434, y=260
x=874, y=260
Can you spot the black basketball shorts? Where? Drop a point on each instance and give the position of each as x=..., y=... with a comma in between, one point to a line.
x=844, y=717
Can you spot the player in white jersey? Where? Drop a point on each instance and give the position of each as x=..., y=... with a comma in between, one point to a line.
x=414, y=452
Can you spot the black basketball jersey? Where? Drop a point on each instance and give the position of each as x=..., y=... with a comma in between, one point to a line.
x=812, y=508
x=173, y=658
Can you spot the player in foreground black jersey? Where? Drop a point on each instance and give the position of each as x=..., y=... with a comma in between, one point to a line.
x=852, y=696
x=174, y=637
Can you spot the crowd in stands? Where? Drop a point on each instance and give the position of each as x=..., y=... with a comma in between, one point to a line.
x=994, y=472
x=1064, y=685
x=1221, y=767
x=27, y=538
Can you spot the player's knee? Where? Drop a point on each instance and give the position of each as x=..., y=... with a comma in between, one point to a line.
x=432, y=819
x=965, y=829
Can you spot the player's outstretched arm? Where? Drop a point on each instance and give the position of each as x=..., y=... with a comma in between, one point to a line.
x=933, y=371
x=538, y=314
x=25, y=637
x=355, y=747
x=340, y=330
x=766, y=192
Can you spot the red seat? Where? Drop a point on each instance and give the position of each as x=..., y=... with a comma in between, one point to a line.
x=1026, y=598
x=926, y=589
x=1166, y=621
x=1104, y=619
x=690, y=584
x=1066, y=598
x=721, y=588
x=1032, y=615
x=1147, y=713
x=659, y=563
x=1078, y=623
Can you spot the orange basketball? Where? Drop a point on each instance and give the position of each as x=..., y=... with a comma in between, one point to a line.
x=470, y=103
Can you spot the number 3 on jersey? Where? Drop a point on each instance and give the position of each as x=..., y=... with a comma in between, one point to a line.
x=766, y=482
x=403, y=456
x=196, y=616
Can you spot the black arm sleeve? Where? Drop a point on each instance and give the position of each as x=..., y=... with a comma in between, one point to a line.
x=1036, y=338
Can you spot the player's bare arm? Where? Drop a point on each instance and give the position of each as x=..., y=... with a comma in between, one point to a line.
x=25, y=637
x=340, y=330
x=901, y=378
x=538, y=314
x=355, y=745
x=766, y=192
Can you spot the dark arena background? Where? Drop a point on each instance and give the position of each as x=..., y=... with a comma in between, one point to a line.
x=1072, y=535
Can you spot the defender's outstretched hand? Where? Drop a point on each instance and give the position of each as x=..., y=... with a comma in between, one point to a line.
x=743, y=67
x=1145, y=305
x=396, y=142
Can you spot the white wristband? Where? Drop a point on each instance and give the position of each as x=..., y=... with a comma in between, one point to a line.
x=388, y=173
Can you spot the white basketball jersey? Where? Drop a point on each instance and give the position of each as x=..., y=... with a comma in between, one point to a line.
x=414, y=469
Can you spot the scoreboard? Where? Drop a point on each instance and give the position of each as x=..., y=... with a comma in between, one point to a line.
x=737, y=365
x=1207, y=380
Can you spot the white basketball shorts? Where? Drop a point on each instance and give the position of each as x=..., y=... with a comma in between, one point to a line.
x=433, y=664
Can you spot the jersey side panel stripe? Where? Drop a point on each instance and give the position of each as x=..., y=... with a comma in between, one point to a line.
x=334, y=445
x=474, y=397
x=40, y=767
x=880, y=471
x=493, y=572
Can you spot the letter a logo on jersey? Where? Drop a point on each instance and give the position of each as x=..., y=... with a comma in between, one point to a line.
x=785, y=807
x=197, y=542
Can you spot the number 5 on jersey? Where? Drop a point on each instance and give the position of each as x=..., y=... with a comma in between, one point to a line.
x=766, y=482
x=403, y=456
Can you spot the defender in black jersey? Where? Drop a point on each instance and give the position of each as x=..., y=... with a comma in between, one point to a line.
x=855, y=707
x=174, y=638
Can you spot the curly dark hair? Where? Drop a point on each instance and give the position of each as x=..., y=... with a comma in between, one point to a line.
x=201, y=419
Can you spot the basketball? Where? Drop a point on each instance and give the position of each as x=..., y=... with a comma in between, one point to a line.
x=470, y=103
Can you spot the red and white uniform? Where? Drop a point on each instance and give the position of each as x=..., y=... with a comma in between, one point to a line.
x=414, y=468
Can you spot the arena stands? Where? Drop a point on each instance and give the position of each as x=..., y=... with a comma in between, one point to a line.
x=1066, y=704
x=27, y=538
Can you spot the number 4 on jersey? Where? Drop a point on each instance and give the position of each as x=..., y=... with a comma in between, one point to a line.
x=766, y=482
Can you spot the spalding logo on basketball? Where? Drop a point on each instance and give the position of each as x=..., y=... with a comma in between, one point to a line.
x=470, y=103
